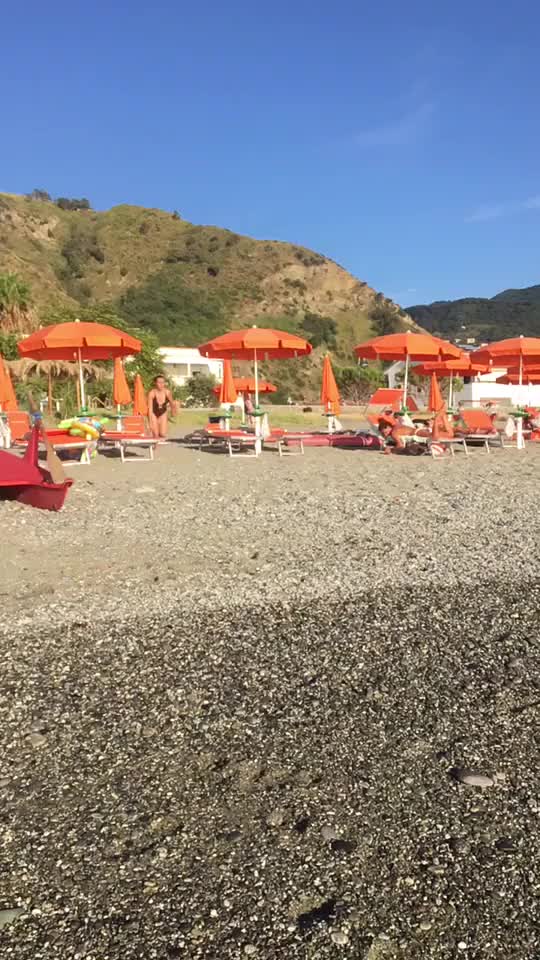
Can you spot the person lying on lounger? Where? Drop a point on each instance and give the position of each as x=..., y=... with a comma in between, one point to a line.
x=401, y=435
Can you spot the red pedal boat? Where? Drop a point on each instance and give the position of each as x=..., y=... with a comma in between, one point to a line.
x=22, y=479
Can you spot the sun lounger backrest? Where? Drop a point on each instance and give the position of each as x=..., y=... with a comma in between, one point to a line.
x=477, y=420
x=133, y=424
x=19, y=424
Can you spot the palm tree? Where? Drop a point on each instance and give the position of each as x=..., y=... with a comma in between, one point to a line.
x=16, y=312
x=26, y=368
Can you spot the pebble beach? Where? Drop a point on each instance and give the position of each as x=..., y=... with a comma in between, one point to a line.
x=273, y=708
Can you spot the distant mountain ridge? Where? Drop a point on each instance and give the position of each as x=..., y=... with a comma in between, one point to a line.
x=510, y=313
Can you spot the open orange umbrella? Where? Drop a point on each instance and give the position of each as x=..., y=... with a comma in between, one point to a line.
x=527, y=376
x=516, y=351
x=407, y=346
x=463, y=367
x=8, y=400
x=140, y=405
x=329, y=389
x=121, y=392
x=505, y=353
x=452, y=368
x=78, y=341
x=227, y=389
x=255, y=343
x=435, y=400
x=247, y=385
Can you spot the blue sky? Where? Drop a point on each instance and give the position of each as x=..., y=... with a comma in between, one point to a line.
x=402, y=140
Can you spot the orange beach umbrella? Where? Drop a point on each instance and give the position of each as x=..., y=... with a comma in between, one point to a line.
x=78, y=341
x=247, y=385
x=121, y=392
x=463, y=367
x=255, y=343
x=8, y=400
x=527, y=376
x=329, y=389
x=516, y=351
x=505, y=353
x=227, y=389
x=140, y=406
x=407, y=346
x=452, y=368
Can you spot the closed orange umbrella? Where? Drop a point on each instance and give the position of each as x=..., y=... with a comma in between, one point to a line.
x=140, y=406
x=329, y=390
x=121, y=392
x=78, y=341
x=255, y=343
x=8, y=400
x=435, y=400
x=227, y=390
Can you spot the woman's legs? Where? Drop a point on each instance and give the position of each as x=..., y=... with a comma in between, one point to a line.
x=162, y=426
x=154, y=425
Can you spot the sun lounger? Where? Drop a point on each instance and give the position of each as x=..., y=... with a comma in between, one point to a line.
x=479, y=429
x=288, y=444
x=19, y=424
x=63, y=442
x=132, y=436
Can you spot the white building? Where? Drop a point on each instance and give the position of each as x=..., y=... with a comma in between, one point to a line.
x=181, y=363
x=483, y=388
x=479, y=389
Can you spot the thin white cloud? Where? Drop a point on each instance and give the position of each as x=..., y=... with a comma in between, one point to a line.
x=487, y=212
x=495, y=211
x=406, y=129
x=402, y=295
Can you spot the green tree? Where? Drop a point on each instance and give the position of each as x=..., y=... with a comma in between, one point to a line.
x=198, y=391
x=8, y=346
x=384, y=319
x=358, y=383
x=174, y=311
x=15, y=304
x=319, y=330
x=39, y=195
x=149, y=362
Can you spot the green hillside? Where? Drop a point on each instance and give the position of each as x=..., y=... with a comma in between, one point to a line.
x=185, y=283
x=508, y=314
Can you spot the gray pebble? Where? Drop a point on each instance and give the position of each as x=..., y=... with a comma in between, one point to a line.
x=471, y=777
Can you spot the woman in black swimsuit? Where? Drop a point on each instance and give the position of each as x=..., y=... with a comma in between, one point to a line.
x=159, y=401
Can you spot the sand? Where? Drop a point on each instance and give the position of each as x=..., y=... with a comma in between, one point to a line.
x=242, y=702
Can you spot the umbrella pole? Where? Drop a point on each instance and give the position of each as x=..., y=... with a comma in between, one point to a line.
x=451, y=390
x=49, y=394
x=520, y=443
x=256, y=371
x=258, y=424
x=81, y=378
x=406, y=382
